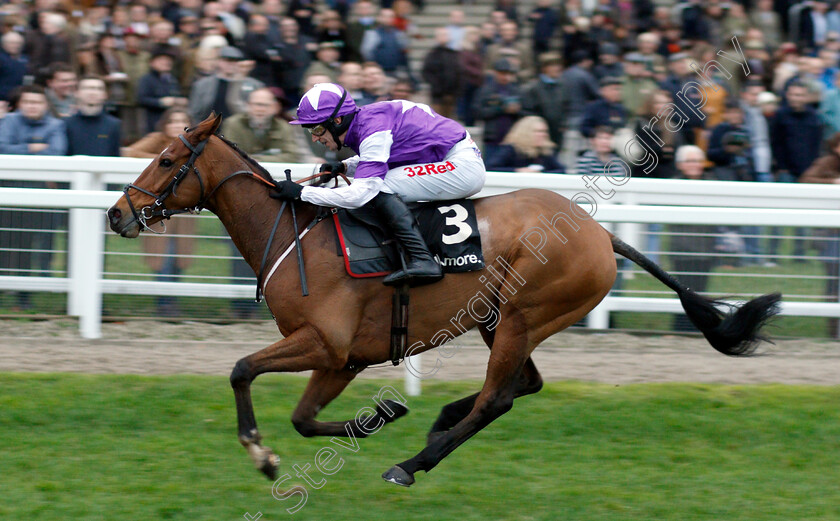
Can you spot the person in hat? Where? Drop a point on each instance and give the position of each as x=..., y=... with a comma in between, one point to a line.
x=326, y=61
x=158, y=90
x=499, y=104
x=406, y=153
x=580, y=87
x=225, y=92
x=442, y=71
x=135, y=63
x=544, y=96
x=607, y=111
x=609, y=63
x=637, y=82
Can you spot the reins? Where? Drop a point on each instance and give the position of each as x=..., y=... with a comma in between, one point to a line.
x=159, y=210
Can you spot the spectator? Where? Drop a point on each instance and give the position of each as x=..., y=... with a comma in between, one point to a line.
x=606, y=111
x=768, y=21
x=648, y=43
x=303, y=12
x=729, y=146
x=30, y=130
x=258, y=132
x=512, y=49
x=365, y=20
x=472, y=68
x=91, y=131
x=158, y=89
x=499, y=104
x=580, y=87
x=226, y=92
x=259, y=48
x=170, y=124
x=609, y=63
x=48, y=44
x=135, y=63
x=545, y=19
x=693, y=244
x=826, y=170
x=61, y=85
x=385, y=45
x=331, y=29
x=526, y=148
x=758, y=131
x=108, y=65
x=637, y=83
x=167, y=255
x=13, y=63
x=657, y=139
x=796, y=134
x=456, y=29
x=544, y=96
x=402, y=88
x=295, y=51
x=813, y=25
x=350, y=78
x=327, y=61
x=830, y=107
x=600, y=158
x=374, y=86
x=273, y=12
x=442, y=71
x=579, y=39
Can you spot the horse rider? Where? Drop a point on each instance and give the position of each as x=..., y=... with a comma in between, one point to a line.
x=405, y=153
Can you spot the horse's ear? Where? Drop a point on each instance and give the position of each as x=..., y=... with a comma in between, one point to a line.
x=208, y=127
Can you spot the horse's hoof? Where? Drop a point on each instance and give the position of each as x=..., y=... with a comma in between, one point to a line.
x=390, y=410
x=397, y=475
x=270, y=466
x=434, y=436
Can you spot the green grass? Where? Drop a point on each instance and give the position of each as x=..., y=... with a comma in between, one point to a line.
x=81, y=447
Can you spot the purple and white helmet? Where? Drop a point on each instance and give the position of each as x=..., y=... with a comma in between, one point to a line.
x=321, y=103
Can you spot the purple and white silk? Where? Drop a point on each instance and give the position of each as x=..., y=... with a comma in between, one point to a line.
x=394, y=139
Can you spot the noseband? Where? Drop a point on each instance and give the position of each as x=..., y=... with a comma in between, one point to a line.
x=157, y=209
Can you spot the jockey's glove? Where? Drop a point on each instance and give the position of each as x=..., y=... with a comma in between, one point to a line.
x=331, y=170
x=286, y=190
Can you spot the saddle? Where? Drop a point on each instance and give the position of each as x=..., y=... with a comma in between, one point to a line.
x=449, y=228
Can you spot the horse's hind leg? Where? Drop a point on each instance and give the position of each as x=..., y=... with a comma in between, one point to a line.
x=507, y=358
x=529, y=382
x=323, y=387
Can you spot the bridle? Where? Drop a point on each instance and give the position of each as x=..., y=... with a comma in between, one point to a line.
x=157, y=209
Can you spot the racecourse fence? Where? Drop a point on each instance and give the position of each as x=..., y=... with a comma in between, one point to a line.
x=762, y=236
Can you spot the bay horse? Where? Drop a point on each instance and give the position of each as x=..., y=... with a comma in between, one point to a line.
x=544, y=282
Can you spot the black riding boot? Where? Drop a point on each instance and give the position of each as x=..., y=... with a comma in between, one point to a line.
x=421, y=267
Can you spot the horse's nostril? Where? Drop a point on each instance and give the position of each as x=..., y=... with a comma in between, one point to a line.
x=115, y=214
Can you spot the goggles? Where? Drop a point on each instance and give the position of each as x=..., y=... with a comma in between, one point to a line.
x=317, y=130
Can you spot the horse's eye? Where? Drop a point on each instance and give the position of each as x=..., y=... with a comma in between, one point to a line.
x=166, y=162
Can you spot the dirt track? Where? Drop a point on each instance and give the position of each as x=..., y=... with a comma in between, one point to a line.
x=146, y=347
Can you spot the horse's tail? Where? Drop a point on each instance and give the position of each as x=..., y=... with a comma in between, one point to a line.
x=734, y=333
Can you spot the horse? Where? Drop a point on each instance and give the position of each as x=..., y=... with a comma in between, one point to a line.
x=553, y=264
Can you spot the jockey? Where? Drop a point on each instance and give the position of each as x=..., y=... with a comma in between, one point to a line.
x=406, y=153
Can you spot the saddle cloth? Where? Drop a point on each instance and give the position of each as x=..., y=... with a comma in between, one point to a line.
x=450, y=229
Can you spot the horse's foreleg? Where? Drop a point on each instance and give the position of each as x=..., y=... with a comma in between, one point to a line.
x=529, y=382
x=300, y=351
x=507, y=358
x=323, y=387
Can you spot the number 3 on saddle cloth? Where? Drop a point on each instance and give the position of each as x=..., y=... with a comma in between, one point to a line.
x=450, y=229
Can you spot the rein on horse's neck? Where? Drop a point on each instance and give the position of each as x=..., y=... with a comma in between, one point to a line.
x=248, y=213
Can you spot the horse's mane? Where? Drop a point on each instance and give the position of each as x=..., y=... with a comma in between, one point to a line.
x=250, y=160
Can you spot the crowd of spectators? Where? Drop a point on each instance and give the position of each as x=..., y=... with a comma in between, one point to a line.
x=547, y=86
